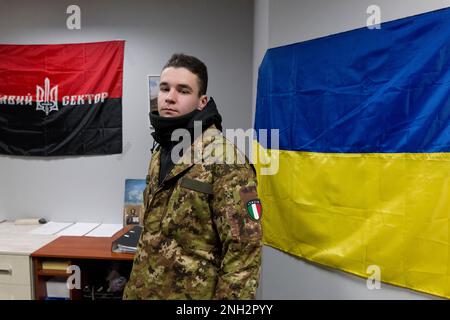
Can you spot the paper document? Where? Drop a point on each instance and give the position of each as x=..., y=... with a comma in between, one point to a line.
x=105, y=230
x=78, y=229
x=51, y=227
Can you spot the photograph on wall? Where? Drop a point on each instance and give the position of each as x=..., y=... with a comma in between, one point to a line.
x=153, y=89
x=134, y=202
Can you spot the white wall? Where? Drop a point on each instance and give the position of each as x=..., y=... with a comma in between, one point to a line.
x=92, y=188
x=289, y=21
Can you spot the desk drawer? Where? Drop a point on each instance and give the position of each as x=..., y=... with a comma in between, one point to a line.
x=15, y=292
x=15, y=269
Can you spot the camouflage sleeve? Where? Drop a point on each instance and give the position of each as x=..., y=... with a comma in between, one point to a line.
x=239, y=230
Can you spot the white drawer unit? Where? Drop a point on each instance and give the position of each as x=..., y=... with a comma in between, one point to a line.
x=16, y=246
x=15, y=277
x=15, y=292
x=15, y=269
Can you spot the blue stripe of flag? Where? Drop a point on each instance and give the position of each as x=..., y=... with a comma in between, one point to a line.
x=385, y=90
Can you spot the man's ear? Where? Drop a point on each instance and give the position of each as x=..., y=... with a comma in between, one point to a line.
x=202, y=102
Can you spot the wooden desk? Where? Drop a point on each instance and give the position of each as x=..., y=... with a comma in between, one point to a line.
x=92, y=254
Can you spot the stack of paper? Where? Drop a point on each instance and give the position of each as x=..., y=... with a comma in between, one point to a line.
x=95, y=229
x=51, y=227
x=57, y=288
x=105, y=230
x=55, y=264
x=78, y=229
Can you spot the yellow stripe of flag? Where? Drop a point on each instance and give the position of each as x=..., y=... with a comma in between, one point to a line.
x=351, y=211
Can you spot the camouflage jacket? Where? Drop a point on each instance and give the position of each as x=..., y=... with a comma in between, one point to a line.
x=199, y=239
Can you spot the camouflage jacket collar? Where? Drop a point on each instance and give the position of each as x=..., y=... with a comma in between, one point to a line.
x=190, y=157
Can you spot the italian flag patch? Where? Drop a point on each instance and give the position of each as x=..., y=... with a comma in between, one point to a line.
x=254, y=209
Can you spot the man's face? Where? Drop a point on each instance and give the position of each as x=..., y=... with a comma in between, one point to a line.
x=178, y=93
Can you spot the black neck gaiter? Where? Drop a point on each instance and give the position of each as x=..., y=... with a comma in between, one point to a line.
x=165, y=126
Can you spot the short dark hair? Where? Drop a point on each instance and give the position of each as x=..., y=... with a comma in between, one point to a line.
x=194, y=65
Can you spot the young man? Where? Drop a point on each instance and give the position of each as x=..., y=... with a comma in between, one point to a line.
x=202, y=232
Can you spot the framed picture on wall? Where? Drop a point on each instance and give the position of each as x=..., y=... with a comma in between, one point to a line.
x=134, y=204
x=153, y=89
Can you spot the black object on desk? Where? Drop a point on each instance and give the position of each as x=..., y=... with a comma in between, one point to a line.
x=128, y=242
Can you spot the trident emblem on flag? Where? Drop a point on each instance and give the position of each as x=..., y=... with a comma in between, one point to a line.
x=46, y=98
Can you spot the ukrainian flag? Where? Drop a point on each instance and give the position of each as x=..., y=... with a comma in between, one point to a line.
x=364, y=150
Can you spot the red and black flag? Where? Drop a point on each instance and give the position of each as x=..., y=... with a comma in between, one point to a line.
x=63, y=99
